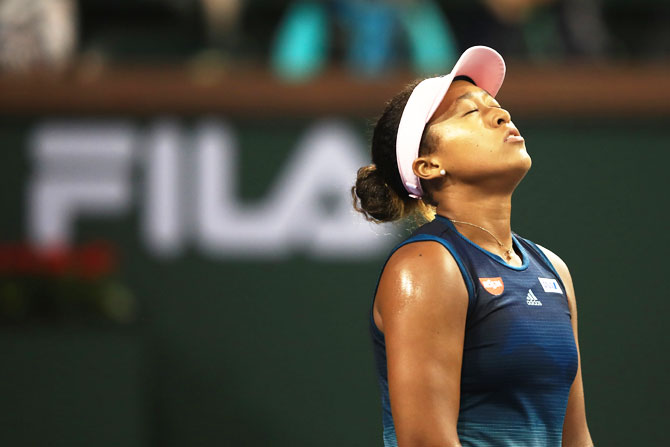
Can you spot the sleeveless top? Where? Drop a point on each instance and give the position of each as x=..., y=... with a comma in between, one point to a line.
x=519, y=353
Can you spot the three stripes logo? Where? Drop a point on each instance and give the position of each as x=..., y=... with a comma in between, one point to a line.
x=531, y=299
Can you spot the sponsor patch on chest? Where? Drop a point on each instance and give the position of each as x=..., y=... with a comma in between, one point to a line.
x=494, y=286
x=550, y=285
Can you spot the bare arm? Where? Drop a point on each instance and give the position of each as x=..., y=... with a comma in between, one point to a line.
x=575, y=430
x=421, y=305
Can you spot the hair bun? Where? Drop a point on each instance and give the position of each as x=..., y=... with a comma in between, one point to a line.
x=373, y=197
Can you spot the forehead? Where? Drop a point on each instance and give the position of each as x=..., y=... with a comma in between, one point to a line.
x=457, y=90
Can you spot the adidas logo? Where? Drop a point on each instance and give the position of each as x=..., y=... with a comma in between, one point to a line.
x=531, y=299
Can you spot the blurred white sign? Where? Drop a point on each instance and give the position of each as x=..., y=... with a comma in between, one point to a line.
x=187, y=190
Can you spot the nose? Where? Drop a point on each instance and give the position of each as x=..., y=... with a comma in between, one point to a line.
x=500, y=117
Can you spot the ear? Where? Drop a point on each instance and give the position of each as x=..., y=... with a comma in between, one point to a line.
x=427, y=168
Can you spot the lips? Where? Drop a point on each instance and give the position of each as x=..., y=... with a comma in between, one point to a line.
x=513, y=136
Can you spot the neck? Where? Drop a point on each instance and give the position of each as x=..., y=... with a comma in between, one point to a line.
x=490, y=211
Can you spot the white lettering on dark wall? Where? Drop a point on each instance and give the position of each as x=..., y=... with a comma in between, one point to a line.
x=78, y=169
x=187, y=190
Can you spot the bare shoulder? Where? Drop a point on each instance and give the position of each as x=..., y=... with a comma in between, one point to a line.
x=560, y=266
x=562, y=269
x=558, y=263
x=418, y=276
x=424, y=259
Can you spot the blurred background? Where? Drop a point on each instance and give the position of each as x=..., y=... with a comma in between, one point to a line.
x=180, y=264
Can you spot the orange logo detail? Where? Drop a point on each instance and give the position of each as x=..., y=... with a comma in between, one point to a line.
x=494, y=286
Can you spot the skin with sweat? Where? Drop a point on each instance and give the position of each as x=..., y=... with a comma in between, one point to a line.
x=421, y=301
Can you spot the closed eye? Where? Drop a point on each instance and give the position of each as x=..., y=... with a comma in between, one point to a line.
x=473, y=110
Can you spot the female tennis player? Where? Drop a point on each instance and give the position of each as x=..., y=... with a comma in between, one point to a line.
x=474, y=327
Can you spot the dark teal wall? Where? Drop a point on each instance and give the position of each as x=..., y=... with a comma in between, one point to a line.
x=262, y=352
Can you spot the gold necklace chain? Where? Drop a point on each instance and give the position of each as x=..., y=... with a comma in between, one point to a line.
x=508, y=254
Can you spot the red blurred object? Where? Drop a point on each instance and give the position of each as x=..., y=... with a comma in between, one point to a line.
x=90, y=261
x=95, y=260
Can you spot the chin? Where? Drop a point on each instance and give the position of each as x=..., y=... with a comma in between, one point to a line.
x=523, y=157
x=526, y=159
x=520, y=166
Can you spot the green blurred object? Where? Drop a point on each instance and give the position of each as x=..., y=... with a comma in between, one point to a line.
x=542, y=36
x=433, y=47
x=301, y=45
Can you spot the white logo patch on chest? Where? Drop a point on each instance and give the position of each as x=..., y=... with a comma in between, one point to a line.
x=550, y=285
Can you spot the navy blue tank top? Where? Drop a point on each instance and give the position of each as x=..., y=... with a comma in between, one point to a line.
x=519, y=353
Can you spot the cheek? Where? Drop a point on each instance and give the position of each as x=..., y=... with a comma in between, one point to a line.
x=466, y=136
x=466, y=146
